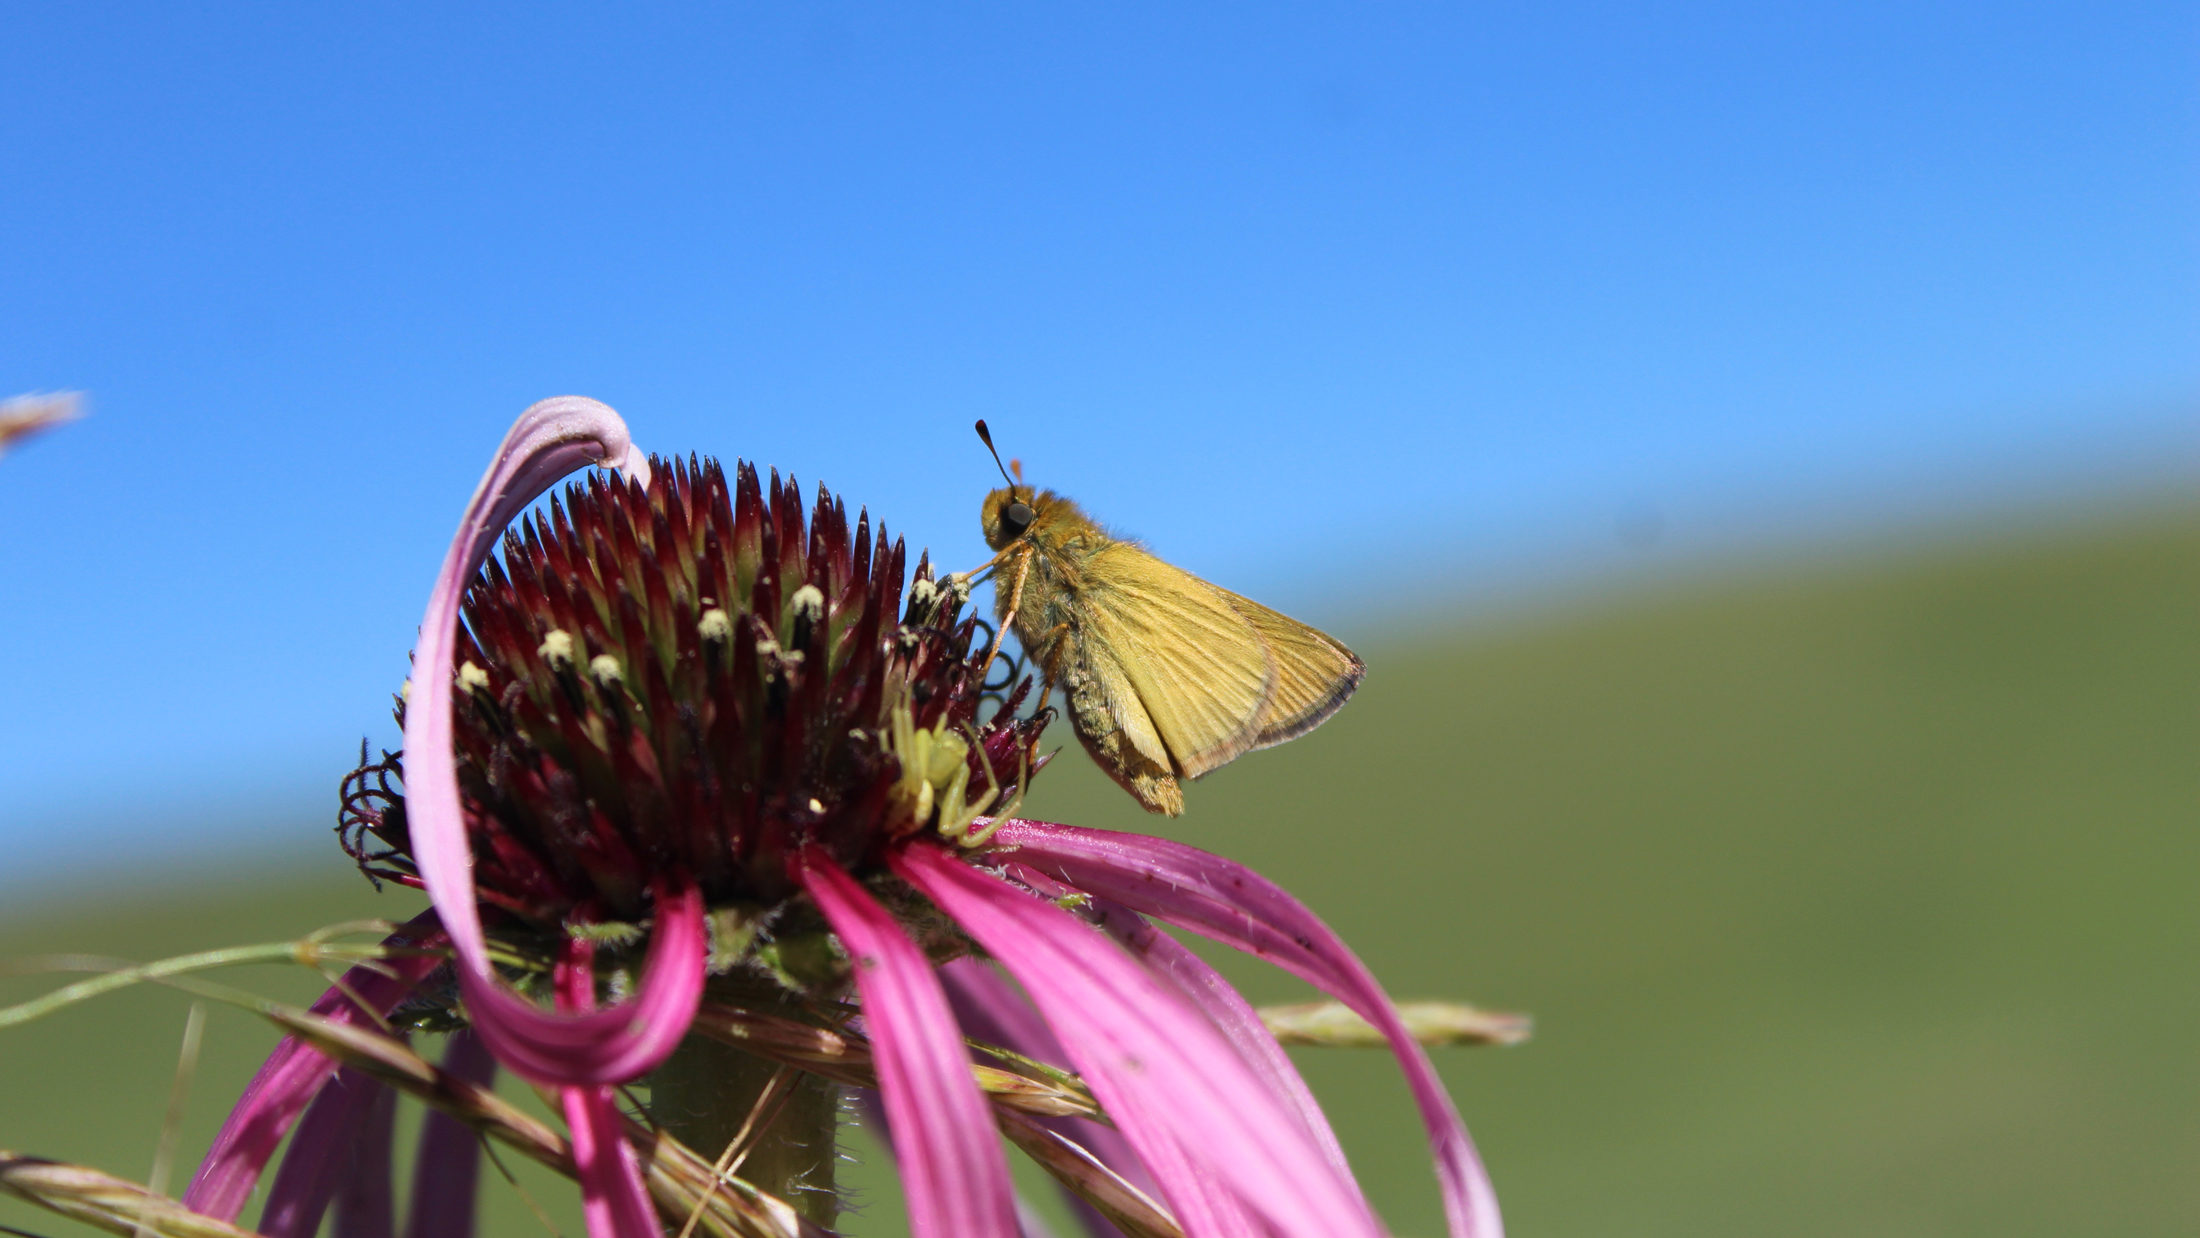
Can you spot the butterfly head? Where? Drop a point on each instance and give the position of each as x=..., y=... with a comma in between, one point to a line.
x=1009, y=512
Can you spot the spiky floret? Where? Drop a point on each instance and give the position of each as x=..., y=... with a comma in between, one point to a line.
x=687, y=677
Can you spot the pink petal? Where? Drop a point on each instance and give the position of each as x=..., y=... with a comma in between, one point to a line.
x=952, y=1167
x=998, y=1015
x=363, y=1198
x=1225, y=900
x=293, y=1074
x=319, y=1160
x=1207, y=992
x=992, y=1010
x=1163, y=1072
x=447, y=1168
x=548, y=441
x=614, y=1203
x=618, y=1042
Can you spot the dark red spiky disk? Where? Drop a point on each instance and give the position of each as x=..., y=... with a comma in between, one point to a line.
x=682, y=677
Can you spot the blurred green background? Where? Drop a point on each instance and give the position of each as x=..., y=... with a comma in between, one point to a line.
x=1851, y=896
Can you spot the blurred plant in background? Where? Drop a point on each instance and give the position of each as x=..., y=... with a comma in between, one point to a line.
x=24, y=415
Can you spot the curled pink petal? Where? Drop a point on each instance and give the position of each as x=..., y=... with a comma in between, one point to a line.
x=952, y=1168
x=618, y=1042
x=548, y=441
x=614, y=1203
x=293, y=1074
x=319, y=1159
x=1219, y=898
x=1162, y=1071
x=449, y=1162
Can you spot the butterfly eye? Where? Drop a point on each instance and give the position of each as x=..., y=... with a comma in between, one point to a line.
x=1016, y=518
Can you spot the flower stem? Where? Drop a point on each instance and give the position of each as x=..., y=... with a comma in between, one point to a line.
x=708, y=1094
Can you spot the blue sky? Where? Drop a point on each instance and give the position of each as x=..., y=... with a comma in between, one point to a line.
x=1314, y=298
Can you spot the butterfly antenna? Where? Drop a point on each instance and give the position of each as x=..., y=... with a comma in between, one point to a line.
x=986, y=436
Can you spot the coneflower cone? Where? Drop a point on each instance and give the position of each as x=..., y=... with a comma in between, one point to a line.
x=681, y=684
x=685, y=681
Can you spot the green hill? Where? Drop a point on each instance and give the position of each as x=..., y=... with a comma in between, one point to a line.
x=1849, y=900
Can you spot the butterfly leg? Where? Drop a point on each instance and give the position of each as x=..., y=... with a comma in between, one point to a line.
x=1008, y=617
x=980, y=572
x=1047, y=651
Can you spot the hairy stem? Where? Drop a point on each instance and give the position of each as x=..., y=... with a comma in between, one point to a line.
x=710, y=1094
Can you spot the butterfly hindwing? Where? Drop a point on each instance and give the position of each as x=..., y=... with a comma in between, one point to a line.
x=1200, y=668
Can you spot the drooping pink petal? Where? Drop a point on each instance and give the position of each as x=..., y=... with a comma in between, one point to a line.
x=1162, y=1071
x=952, y=1167
x=1224, y=900
x=364, y=1197
x=1207, y=992
x=991, y=1009
x=319, y=1159
x=1205, y=1205
x=548, y=441
x=293, y=1074
x=871, y=1115
x=614, y=1203
x=448, y=1166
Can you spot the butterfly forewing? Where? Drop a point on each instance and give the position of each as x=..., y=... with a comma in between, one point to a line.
x=1315, y=675
x=1201, y=670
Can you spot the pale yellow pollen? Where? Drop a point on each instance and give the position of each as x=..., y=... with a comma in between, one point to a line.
x=556, y=648
x=605, y=669
x=472, y=678
x=715, y=625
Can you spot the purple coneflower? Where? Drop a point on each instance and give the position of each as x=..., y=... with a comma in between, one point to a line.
x=688, y=761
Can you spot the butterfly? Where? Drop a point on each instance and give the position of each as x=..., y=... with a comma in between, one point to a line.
x=1167, y=677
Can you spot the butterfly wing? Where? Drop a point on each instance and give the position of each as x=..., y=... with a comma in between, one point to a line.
x=1315, y=674
x=1126, y=708
x=1201, y=670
